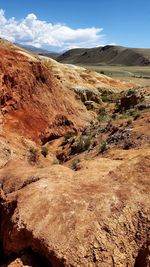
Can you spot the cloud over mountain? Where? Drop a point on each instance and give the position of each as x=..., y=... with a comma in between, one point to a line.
x=32, y=31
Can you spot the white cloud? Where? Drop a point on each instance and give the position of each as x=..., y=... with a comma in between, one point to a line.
x=32, y=31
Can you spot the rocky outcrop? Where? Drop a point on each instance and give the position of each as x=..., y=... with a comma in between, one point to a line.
x=87, y=94
x=130, y=99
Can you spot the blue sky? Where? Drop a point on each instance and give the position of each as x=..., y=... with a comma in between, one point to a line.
x=64, y=24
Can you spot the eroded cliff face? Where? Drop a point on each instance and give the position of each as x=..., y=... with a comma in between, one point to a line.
x=40, y=98
x=52, y=214
x=32, y=99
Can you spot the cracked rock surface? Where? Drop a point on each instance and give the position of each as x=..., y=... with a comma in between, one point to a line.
x=92, y=217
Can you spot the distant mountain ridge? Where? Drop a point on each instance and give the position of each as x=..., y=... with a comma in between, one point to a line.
x=39, y=51
x=33, y=48
x=107, y=55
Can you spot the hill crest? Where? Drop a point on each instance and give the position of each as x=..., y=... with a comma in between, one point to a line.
x=107, y=55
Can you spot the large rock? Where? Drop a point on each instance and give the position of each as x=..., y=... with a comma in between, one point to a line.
x=97, y=216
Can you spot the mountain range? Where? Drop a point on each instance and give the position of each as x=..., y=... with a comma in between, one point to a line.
x=38, y=51
x=103, y=55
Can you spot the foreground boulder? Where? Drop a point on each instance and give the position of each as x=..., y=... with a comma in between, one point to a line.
x=97, y=216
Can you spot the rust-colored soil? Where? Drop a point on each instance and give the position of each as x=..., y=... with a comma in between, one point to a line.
x=65, y=201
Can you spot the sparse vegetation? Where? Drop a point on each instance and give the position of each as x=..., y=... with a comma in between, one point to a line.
x=81, y=144
x=109, y=97
x=44, y=151
x=103, y=147
x=124, y=72
x=33, y=155
x=124, y=116
x=102, y=114
x=110, y=125
x=75, y=164
x=69, y=136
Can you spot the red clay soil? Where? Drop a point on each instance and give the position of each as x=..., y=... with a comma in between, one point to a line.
x=38, y=105
x=31, y=98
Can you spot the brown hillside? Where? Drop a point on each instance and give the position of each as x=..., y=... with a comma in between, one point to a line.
x=110, y=55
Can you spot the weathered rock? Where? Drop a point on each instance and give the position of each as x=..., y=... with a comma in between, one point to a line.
x=129, y=99
x=87, y=94
x=143, y=105
x=78, y=219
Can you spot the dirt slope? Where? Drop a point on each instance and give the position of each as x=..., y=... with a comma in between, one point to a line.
x=110, y=55
x=30, y=94
x=51, y=213
x=40, y=101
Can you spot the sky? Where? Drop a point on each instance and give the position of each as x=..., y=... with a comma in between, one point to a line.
x=58, y=25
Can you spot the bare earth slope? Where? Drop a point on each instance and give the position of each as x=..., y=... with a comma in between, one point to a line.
x=109, y=55
x=77, y=205
x=30, y=96
x=41, y=102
